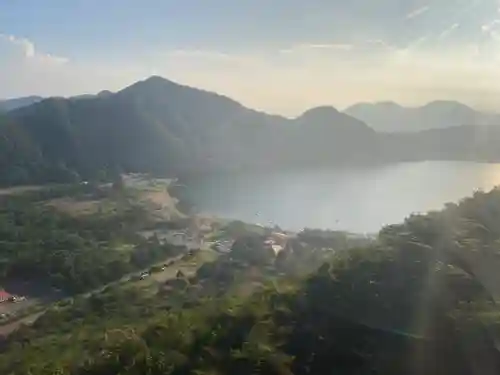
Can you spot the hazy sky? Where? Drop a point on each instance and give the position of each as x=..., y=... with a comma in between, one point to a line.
x=281, y=56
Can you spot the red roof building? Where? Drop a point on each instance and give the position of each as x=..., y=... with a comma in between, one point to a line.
x=4, y=296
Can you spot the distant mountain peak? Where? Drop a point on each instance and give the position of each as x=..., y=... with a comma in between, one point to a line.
x=329, y=117
x=155, y=81
x=438, y=114
x=321, y=111
x=446, y=104
x=104, y=93
x=156, y=78
x=162, y=92
x=389, y=103
x=152, y=84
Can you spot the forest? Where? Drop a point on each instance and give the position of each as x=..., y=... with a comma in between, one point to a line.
x=420, y=299
x=74, y=253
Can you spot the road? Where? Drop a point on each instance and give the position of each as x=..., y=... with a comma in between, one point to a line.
x=128, y=277
x=8, y=328
x=159, y=277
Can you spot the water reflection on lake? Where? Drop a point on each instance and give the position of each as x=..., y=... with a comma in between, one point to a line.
x=358, y=200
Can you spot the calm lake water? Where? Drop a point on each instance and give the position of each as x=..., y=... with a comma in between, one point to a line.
x=359, y=200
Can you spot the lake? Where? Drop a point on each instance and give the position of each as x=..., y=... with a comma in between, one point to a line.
x=358, y=200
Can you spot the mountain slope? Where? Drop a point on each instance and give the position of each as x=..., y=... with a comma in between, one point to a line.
x=162, y=127
x=391, y=117
x=327, y=135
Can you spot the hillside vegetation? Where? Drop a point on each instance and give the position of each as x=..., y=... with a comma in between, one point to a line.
x=420, y=300
x=41, y=242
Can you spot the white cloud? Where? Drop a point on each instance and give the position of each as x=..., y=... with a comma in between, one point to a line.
x=25, y=70
x=28, y=50
x=25, y=45
x=418, y=12
x=380, y=43
x=492, y=29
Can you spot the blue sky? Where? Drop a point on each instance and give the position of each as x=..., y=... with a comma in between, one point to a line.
x=282, y=56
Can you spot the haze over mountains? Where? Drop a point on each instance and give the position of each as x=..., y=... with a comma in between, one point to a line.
x=161, y=127
x=25, y=101
x=385, y=116
x=11, y=104
x=392, y=117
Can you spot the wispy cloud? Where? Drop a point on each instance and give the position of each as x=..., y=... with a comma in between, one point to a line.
x=380, y=43
x=492, y=29
x=446, y=32
x=199, y=53
x=417, y=12
x=29, y=51
x=318, y=46
x=413, y=45
x=212, y=57
x=334, y=46
x=24, y=44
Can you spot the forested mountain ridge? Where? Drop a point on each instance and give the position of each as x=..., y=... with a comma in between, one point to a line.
x=160, y=127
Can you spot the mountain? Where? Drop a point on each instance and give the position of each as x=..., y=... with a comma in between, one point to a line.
x=11, y=104
x=161, y=127
x=330, y=118
x=325, y=135
x=91, y=96
x=391, y=117
x=158, y=126
x=104, y=93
